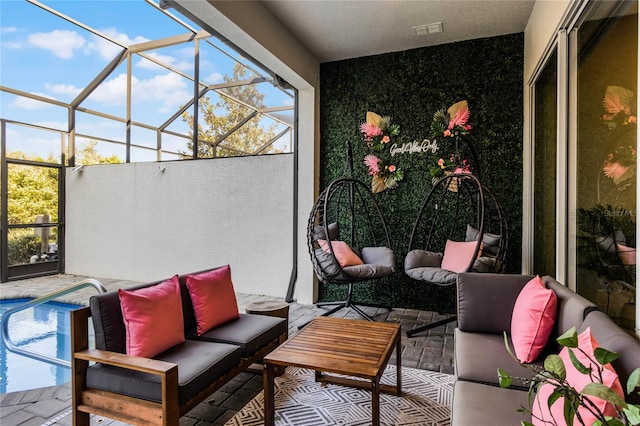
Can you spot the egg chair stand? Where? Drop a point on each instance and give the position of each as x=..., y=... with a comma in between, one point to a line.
x=460, y=219
x=348, y=241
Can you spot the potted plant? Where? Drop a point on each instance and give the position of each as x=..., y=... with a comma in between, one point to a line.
x=554, y=374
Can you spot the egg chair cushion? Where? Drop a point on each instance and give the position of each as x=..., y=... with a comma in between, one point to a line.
x=422, y=265
x=437, y=276
x=422, y=259
x=379, y=262
x=490, y=242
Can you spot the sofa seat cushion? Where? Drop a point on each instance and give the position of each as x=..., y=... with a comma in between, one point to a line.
x=473, y=364
x=251, y=332
x=478, y=404
x=199, y=364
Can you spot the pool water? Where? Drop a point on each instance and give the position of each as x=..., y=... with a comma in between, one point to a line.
x=44, y=329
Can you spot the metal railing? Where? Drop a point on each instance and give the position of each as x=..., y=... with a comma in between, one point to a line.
x=89, y=282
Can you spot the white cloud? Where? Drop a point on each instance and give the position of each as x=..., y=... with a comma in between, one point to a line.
x=214, y=77
x=164, y=91
x=7, y=30
x=11, y=45
x=169, y=89
x=31, y=104
x=113, y=91
x=63, y=89
x=106, y=48
x=61, y=43
x=171, y=61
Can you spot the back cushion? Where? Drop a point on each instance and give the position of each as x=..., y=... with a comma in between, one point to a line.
x=108, y=323
x=571, y=310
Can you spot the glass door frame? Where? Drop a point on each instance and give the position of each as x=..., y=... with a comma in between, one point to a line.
x=27, y=270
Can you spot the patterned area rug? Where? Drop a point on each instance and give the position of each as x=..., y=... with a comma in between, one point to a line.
x=300, y=400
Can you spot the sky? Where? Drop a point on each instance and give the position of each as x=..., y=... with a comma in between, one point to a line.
x=42, y=54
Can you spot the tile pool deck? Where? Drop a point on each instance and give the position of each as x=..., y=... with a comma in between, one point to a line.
x=432, y=350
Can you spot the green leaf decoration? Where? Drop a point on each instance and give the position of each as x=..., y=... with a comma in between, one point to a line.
x=577, y=364
x=554, y=364
x=604, y=392
x=604, y=356
x=525, y=423
x=633, y=414
x=633, y=381
x=569, y=410
x=569, y=338
x=504, y=378
x=609, y=421
x=555, y=395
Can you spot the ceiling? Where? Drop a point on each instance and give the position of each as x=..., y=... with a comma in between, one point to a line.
x=333, y=30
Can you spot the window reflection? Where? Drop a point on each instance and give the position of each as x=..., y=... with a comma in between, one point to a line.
x=607, y=156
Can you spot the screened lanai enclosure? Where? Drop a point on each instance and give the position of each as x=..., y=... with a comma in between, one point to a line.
x=92, y=84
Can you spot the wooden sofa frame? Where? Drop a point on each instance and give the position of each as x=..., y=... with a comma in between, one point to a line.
x=86, y=401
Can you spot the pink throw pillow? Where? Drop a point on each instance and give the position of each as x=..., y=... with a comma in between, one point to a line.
x=626, y=254
x=540, y=409
x=213, y=297
x=534, y=315
x=344, y=254
x=457, y=255
x=152, y=318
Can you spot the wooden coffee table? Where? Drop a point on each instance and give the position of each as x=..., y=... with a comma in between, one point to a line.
x=357, y=348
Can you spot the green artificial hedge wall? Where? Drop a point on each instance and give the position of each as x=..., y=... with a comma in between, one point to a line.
x=410, y=86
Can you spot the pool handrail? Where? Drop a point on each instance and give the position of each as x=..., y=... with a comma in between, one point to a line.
x=89, y=282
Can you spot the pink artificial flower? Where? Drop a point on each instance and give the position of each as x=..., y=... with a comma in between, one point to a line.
x=447, y=133
x=612, y=104
x=441, y=163
x=385, y=139
x=371, y=161
x=460, y=119
x=370, y=130
x=614, y=170
x=392, y=168
x=467, y=127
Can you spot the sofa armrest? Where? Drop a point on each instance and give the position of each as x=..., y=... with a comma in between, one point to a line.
x=134, y=363
x=485, y=301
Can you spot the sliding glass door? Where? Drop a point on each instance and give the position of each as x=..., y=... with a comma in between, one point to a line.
x=606, y=55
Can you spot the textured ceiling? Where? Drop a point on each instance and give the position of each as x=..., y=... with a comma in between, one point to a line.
x=333, y=30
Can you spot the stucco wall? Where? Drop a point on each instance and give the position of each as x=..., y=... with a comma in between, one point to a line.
x=251, y=26
x=148, y=221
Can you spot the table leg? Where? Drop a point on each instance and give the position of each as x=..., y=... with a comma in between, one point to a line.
x=375, y=402
x=399, y=364
x=268, y=376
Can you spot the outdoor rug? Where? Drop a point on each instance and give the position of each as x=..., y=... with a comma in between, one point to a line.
x=301, y=401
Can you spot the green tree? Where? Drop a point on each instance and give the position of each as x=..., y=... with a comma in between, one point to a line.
x=87, y=154
x=217, y=119
x=32, y=190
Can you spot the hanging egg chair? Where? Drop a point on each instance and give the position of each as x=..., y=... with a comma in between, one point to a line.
x=460, y=227
x=348, y=240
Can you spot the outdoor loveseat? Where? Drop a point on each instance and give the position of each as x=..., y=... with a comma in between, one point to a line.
x=485, y=308
x=159, y=389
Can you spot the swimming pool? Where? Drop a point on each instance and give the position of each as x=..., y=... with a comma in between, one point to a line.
x=44, y=329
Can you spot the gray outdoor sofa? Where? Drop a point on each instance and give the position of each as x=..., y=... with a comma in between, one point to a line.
x=140, y=390
x=485, y=305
